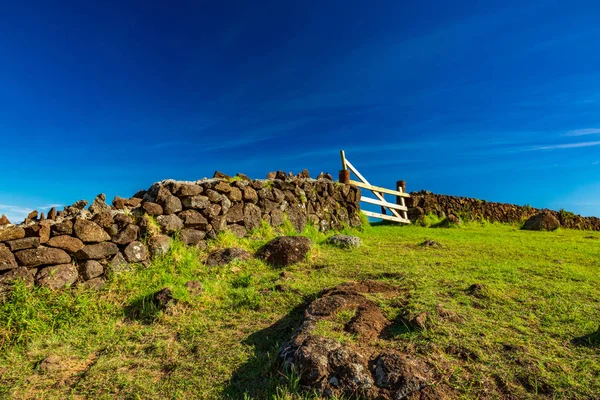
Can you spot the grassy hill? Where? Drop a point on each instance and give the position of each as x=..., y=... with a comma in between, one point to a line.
x=526, y=332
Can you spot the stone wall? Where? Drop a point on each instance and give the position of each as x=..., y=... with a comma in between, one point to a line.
x=424, y=202
x=79, y=245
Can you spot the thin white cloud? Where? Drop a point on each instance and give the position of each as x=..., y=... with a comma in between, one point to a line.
x=582, y=132
x=565, y=146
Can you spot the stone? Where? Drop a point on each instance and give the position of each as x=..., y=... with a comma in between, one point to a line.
x=243, y=177
x=52, y=214
x=419, y=321
x=57, y=276
x=4, y=220
x=94, y=283
x=112, y=230
x=304, y=174
x=188, y=190
x=89, y=231
x=226, y=256
x=235, y=213
x=276, y=217
x=171, y=205
x=212, y=211
x=214, y=196
x=252, y=216
x=249, y=195
x=22, y=244
x=119, y=264
x=271, y=175
x=222, y=187
x=8, y=279
x=163, y=299
x=238, y=230
x=41, y=256
x=220, y=175
x=11, y=232
x=218, y=223
x=67, y=243
x=152, y=208
x=127, y=235
x=194, y=288
x=122, y=220
x=235, y=194
x=119, y=203
x=133, y=202
x=7, y=259
x=90, y=269
x=344, y=241
x=544, y=221
x=103, y=218
x=225, y=205
x=99, y=204
x=280, y=175
x=159, y=245
x=97, y=251
x=193, y=219
x=297, y=216
x=197, y=202
x=191, y=236
x=80, y=204
x=40, y=230
x=285, y=250
x=169, y=223
x=135, y=252
x=32, y=216
x=63, y=228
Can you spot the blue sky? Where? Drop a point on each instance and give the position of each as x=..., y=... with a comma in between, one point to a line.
x=499, y=101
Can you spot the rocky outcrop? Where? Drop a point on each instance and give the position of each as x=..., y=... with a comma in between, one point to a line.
x=365, y=367
x=106, y=238
x=469, y=209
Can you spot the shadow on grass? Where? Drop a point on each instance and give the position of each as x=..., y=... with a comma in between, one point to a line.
x=259, y=377
x=589, y=340
x=143, y=309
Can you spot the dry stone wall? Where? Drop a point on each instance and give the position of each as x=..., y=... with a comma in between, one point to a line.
x=424, y=202
x=80, y=246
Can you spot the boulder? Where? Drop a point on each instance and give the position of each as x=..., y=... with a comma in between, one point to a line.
x=225, y=256
x=249, y=195
x=42, y=256
x=152, y=208
x=344, y=241
x=89, y=231
x=97, y=251
x=544, y=221
x=7, y=259
x=220, y=175
x=222, y=187
x=4, y=220
x=103, y=218
x=235, y=194
x=67, y=243
x=238, y=230
x=22, y=244
x=191, y=236
x=285, y=250
x=119, y=264
x=171, y=205
x=40, y=230
x=11, y=232
x=63, y=228
x=8, y=279
x=57, y=276
x=193, y=219
x=188, y=190
x=99, y=204
x=159, y=245
x=169, y=223
x=90, y=269
x=252, y=216
x=235, y=213
x=127, y=235
x=198, y=202
x=135, y=252
x=94, y=283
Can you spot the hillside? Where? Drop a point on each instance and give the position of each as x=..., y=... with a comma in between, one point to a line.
x=524, y=331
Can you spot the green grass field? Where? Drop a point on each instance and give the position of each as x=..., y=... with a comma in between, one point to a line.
x=541, y=290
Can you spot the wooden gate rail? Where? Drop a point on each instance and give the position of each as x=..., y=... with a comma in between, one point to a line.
x=399, y=211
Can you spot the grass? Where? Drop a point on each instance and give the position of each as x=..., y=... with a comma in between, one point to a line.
x=519, y=337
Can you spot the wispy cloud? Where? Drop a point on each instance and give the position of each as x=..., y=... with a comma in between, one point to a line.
x=565, y=146
x=582, y=132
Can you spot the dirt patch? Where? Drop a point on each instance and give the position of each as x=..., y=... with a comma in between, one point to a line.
x=357, y=368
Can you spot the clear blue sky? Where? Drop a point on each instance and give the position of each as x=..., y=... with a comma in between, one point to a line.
x=499, y=101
